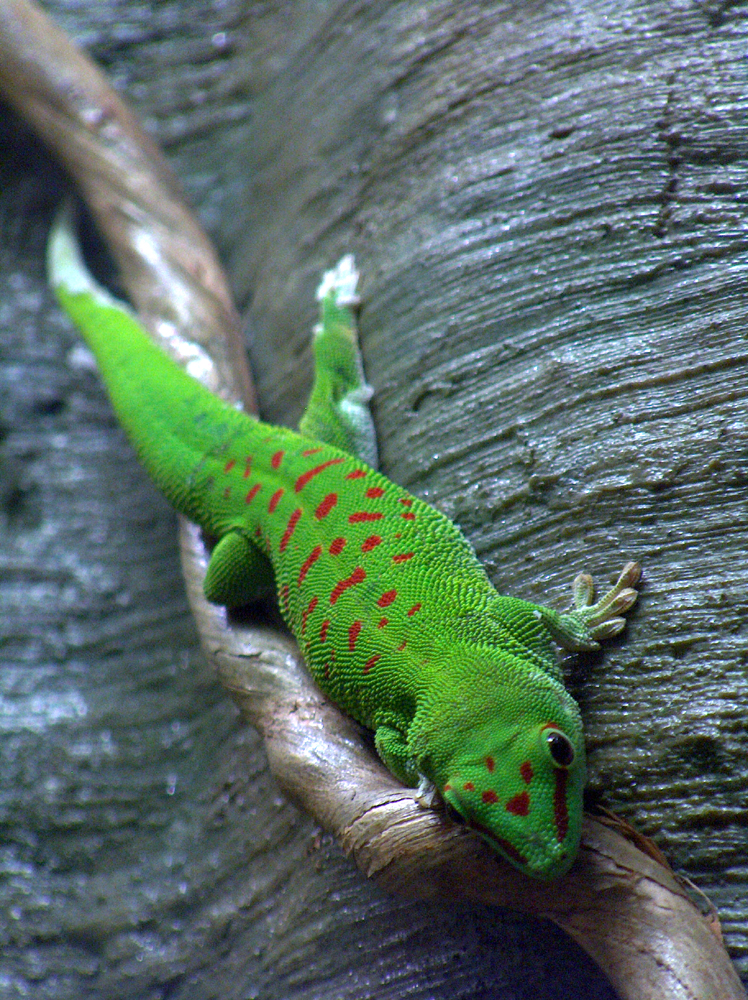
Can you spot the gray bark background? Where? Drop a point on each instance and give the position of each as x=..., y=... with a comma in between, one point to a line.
x=548, y=206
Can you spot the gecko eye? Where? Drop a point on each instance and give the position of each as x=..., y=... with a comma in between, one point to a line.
x=559, y=747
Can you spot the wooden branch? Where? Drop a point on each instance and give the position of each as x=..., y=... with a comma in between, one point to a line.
x=624, y=908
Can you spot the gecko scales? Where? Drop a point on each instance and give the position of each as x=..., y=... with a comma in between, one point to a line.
x=397, y=620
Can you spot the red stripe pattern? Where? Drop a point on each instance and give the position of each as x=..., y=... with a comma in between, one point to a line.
x=307, y=476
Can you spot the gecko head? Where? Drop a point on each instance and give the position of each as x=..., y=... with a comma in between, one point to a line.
x=518, y=783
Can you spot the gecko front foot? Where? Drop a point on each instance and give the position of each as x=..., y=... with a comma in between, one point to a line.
x=584, y=627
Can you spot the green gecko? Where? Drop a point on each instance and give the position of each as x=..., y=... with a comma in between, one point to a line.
x=397, y=620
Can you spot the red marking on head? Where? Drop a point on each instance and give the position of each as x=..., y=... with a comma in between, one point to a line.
x=253, y=493
x=490, y=796
x=229, y=465
x=227, y=493
x=408, y=516
x=371, y=661
x=323, y=630
x=382, y=622
x=490, y=764
x=247, y=467
x=560, y=811
x=311, y=473
x=353, y=634
x=402, y=645
x=371, y=543
x=387, y=598
x=548, y=725
x=326, y=506
x=416, y=608
x=276, y=459
x=365, y=515
x=469, y=786
x=374, y=492
x=406, y=501
x=305, y=616
x=310, y=560
x=356, y=474
x=519, y=805
x=290, y=527
x=447, y=788
x=275, y=500
x=403, y=557
x=526, y=772
x=311, y=451
x=336, y=546
x=357, y=576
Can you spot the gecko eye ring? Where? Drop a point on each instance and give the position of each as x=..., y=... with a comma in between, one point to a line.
x=559, y=747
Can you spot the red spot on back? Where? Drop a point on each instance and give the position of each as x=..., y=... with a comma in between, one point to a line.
x=290, y=527
x=526, y=771
x=469, y=786
x=490, y=796
x=408, y=516
x=387, y=598
x=229, y=465
x=275, y=500
x=371, y=543
x=356, y=474
x=276, y=459
x=519, y=805
x=403, y=557
x=323, y=629
x=365, y=515
x=284, y=593
x=414, y=609
x=227, y=493
x=253, y=493
x=247, y=467
x=309, y=609
x=402, y=645
x=310, y=560
x=374, y=492
x=371, y=661
x=490, y=764
x=311, y=451
x=357, y=576
x=560, y=811
x=353, y=634
x=447, y=788
x=406, y=501
x=311, y=473
x=336, y=546
x=326, y=506
x=382, y=622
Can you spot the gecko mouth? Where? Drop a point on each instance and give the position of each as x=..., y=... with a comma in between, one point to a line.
x=503, y=845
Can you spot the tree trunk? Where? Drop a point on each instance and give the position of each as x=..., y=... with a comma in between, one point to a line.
x=546, y=207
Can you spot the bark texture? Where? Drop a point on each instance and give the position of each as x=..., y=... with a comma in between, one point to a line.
x=546, y=206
